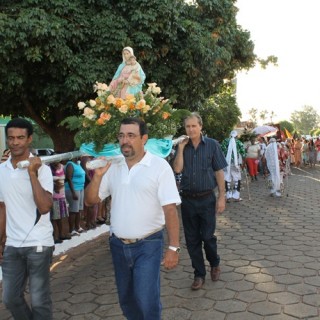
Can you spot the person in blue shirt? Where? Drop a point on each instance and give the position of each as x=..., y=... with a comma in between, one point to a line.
x=201, y=162
x=74, y=187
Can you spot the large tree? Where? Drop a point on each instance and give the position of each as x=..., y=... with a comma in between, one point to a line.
x=305, y=120
x=219, y=114
x=51, y=52
x=286, y=125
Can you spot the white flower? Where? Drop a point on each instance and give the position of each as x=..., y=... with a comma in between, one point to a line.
x=123, y=108
x=81, y=105
x=89, y=113
x=156, y=90
x=104, y=87
x=92, y=103
x=152, y=88
x=99, y=86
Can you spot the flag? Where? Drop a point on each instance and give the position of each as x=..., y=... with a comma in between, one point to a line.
x=288, y=134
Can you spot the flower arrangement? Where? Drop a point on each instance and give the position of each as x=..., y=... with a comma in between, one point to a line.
x=101, y=117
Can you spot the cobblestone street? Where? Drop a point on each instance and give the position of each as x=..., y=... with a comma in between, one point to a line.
x=270, y=262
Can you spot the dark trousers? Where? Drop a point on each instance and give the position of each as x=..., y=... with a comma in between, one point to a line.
x=199, y=223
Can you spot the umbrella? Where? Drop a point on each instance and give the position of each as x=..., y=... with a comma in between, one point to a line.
x=265, y=130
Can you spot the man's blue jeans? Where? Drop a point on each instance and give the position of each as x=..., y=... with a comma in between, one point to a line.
x=137, y=271
x=199, y=224
x=20, y=265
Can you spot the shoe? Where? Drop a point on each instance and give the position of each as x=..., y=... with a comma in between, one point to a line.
x=197, y=283
x=80, y=230
x=57, y=241
x=67, y=237
x=100, y=221
x=215, y=273
x=91, y=226
x=75, y=233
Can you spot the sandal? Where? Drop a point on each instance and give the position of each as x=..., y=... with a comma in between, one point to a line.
x=100, y=221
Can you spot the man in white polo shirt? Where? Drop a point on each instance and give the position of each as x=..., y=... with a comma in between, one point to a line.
x=25, y=227
x=144, y=198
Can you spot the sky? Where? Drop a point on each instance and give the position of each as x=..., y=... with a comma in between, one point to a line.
x=288, y=29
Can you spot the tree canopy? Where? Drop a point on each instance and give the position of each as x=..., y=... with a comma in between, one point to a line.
x=286, y=125
x=219, y=114
x=305, y=120
x=52, y=52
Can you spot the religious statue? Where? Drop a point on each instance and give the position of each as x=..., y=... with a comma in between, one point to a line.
x=129, y=76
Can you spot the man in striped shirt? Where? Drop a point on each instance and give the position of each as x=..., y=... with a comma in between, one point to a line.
x=201, y=162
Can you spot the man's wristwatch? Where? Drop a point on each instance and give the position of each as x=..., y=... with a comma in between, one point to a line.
x=176, y=249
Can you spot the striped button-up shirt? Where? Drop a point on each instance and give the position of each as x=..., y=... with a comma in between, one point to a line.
x=200, y=164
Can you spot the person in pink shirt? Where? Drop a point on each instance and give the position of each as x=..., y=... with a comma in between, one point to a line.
x=59, y=210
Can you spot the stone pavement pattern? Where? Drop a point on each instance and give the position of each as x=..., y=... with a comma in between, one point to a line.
x=270, y=261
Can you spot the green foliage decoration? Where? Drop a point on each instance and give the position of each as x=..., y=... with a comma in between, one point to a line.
x=102, y=116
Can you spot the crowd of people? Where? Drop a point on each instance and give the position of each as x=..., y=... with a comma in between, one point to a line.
x=70, y=180
x=144, y=200
x=267, y=157
x=35, y=202
x=304, y=151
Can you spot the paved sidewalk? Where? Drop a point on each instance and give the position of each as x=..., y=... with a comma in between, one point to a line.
x=270, y=251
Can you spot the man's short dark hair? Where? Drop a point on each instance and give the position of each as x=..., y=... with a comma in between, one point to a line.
x=143, y=129
x=20, y=123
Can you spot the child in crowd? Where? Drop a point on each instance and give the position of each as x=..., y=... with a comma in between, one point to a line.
x=59, y=210
x=89, y=212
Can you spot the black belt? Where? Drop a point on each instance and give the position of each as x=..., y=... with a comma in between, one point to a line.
x=195, y=195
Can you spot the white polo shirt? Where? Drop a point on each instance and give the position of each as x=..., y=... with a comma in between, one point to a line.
x=138, y=195
x=21, y=212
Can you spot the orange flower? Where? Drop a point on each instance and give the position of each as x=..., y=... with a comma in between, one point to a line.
x=141, y=104
x=105, y=116
x=166, y=115
x=132, y=106
x=118, y=102
x=100, y=122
